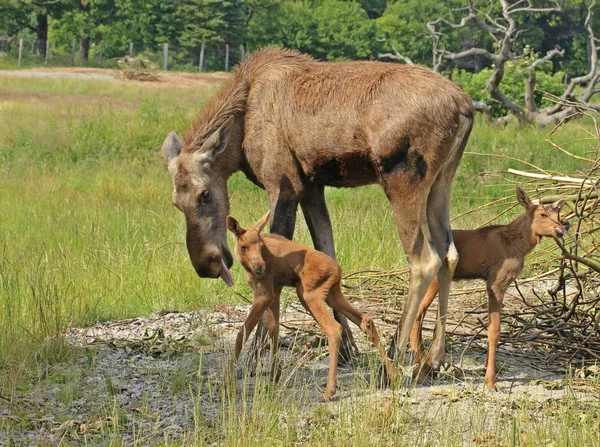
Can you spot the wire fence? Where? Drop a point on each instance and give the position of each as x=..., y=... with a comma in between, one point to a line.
x=25, y=53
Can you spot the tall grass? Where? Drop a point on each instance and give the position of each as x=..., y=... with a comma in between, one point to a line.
x=88, y=230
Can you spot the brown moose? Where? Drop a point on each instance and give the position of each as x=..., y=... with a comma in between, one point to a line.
x=495, y=253
x=273, y=262
x=294, y=125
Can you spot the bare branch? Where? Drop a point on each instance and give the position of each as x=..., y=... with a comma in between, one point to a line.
x=470, y=53
x=549, y=55
x=395, y=55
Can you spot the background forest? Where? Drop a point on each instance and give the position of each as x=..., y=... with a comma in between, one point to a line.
x=327, y=29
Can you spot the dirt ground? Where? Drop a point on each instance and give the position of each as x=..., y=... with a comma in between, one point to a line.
x=165, y=79
x=146, y=365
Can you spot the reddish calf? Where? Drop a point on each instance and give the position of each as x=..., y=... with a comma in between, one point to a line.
x=495, y=253
x=273, y=262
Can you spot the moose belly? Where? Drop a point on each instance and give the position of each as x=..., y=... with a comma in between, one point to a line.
x=341, y=170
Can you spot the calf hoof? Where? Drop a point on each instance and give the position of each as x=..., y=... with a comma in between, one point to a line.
x=327, y=396
x=491, y=384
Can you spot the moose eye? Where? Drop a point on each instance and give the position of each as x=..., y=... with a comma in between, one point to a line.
x=205, y=196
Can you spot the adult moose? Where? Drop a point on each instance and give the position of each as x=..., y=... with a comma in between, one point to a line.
x=294, y=125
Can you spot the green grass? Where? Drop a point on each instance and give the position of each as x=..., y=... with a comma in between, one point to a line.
x=89, y=233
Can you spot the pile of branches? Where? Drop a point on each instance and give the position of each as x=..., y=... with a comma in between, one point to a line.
x=567, y=320
x=138, y=68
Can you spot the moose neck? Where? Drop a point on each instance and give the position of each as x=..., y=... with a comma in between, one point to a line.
x=520, y=229
x=230, y=101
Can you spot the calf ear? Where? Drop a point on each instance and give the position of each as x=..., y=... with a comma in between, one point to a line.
x=171, y=148
x=556, y=206
x=234, y=226
x=263, y=221
x=523, y=199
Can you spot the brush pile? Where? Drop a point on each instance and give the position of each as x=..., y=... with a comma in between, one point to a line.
x=566, y=321
x=138, y=68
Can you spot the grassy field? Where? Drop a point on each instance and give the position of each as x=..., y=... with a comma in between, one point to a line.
x=89, y=233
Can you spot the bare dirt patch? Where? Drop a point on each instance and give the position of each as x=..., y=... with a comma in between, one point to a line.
x=164, y=79
x=147, y=375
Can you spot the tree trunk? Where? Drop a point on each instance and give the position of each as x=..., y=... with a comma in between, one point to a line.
x=41, y=33
x=529, y=92
x=84, y=46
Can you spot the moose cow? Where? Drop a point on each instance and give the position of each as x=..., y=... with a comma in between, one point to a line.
x=294, y=125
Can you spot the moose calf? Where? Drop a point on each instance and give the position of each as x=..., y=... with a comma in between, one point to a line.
x=495, y=253
x=273, y=262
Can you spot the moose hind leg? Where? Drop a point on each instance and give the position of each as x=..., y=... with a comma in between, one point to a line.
x=423, y=259
x=317, y=219
x=438, y=217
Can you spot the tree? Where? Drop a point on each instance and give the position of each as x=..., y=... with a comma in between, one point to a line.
x=504, y=25
x=343, y=31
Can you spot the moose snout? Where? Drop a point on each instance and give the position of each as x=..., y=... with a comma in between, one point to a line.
x=259, y=269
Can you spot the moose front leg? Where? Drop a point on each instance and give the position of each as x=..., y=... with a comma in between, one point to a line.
x=318, y=222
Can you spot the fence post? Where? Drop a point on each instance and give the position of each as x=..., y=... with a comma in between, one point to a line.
x=130, y=49
x=73, y=48
x=226, y=57
x=33, y=46
x=47, y=52
x=20, y=51
x=165, y=55
x=242, y=51
x=101, y=53
x=201, y=62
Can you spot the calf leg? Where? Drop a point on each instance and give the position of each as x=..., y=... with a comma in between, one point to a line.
x=273, y=328
x=315, y=302
x=495, y=298
x=259, y=305
x=318, y=222
x=338, y=302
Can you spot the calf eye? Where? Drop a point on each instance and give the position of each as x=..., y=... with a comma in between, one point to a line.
x=544, y=215
x=243, y=248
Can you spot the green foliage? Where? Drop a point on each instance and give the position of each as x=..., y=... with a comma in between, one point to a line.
x=404, y=22
x=343, y=31
x=513, y=84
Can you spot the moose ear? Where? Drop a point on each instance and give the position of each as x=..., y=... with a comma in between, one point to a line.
x=558, y=205
x=523, y=199
x=171, y=148
x=217, y=142
x=263, y=221
x=234, y=226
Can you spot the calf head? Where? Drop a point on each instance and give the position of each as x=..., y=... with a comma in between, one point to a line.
x=249, y=244
x=200, y=193
x=545, y=221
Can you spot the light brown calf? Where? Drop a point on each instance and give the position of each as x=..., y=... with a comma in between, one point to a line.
x=273, y=262
x=495, y=253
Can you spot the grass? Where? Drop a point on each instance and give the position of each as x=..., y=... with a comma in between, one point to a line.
x=89, y=233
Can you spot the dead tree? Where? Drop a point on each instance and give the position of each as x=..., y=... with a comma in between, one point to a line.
x=504, y=30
